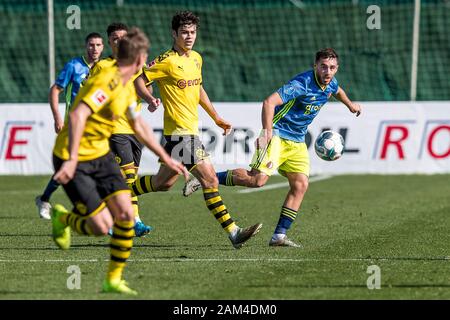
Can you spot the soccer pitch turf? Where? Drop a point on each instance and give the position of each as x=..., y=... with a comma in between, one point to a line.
x=347, y=223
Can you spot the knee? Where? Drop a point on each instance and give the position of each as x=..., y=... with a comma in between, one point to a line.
x=209, y=182
x=126, y=215
x=300, y=187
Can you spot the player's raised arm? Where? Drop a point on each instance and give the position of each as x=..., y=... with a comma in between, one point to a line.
x=53, y=99
x=77, y=123
x=342, y=97
x=209, y=108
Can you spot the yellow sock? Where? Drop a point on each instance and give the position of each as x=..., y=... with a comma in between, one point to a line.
x=77, y=223
x=142, y=185
x=130, y=178
x=135, y=203
x=215, y=204
x=120, y=247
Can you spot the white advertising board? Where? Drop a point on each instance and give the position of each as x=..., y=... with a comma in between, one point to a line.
x=388, y=137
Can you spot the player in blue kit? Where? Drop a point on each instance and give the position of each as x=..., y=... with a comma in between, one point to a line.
x=69, y=80
x=286, y=115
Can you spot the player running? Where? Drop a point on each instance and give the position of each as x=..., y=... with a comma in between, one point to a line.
x=178, y=73
x=85, y=166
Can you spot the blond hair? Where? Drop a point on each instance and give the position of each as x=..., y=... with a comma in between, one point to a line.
x=130, y=46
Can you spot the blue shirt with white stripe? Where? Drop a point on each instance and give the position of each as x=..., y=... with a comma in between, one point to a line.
x=302, y=97
x=71, y=79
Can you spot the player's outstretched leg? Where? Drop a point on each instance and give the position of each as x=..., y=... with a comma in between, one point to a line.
x=225, y=178
x=235, y=177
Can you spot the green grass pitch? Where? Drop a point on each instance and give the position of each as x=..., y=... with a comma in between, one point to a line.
x=347, y=223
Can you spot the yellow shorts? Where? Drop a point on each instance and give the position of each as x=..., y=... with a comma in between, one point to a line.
x=284, y=155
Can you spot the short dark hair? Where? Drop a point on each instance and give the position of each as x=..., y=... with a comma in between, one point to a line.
x=327, y=53
x=116, y=26
x=92, y=35
x=130, y=46
x=182, y=18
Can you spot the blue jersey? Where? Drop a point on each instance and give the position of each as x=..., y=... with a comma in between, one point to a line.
x=302, y=97
x=71, y=79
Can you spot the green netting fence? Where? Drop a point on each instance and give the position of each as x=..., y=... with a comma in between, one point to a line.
x=249, y=48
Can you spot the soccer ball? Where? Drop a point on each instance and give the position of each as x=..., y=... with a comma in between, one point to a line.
x=329, y=145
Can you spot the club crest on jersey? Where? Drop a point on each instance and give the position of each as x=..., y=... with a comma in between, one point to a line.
x=200, y=153
x=99, y=97
x=197, y=64
x=288, y=89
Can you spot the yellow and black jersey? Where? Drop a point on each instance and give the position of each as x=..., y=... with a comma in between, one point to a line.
x=122, y=125
x=101, y=64
x=179, y=79
x=109, y=100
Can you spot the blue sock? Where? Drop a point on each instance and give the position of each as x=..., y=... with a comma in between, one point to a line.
x=51, y=187
x=222, y=176
x=287, y=216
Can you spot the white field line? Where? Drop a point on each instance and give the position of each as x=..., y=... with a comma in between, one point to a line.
x=230, y=260
x=283, y=184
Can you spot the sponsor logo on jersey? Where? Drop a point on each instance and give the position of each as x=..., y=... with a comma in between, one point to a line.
x=188, y=83
x=99, y=97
